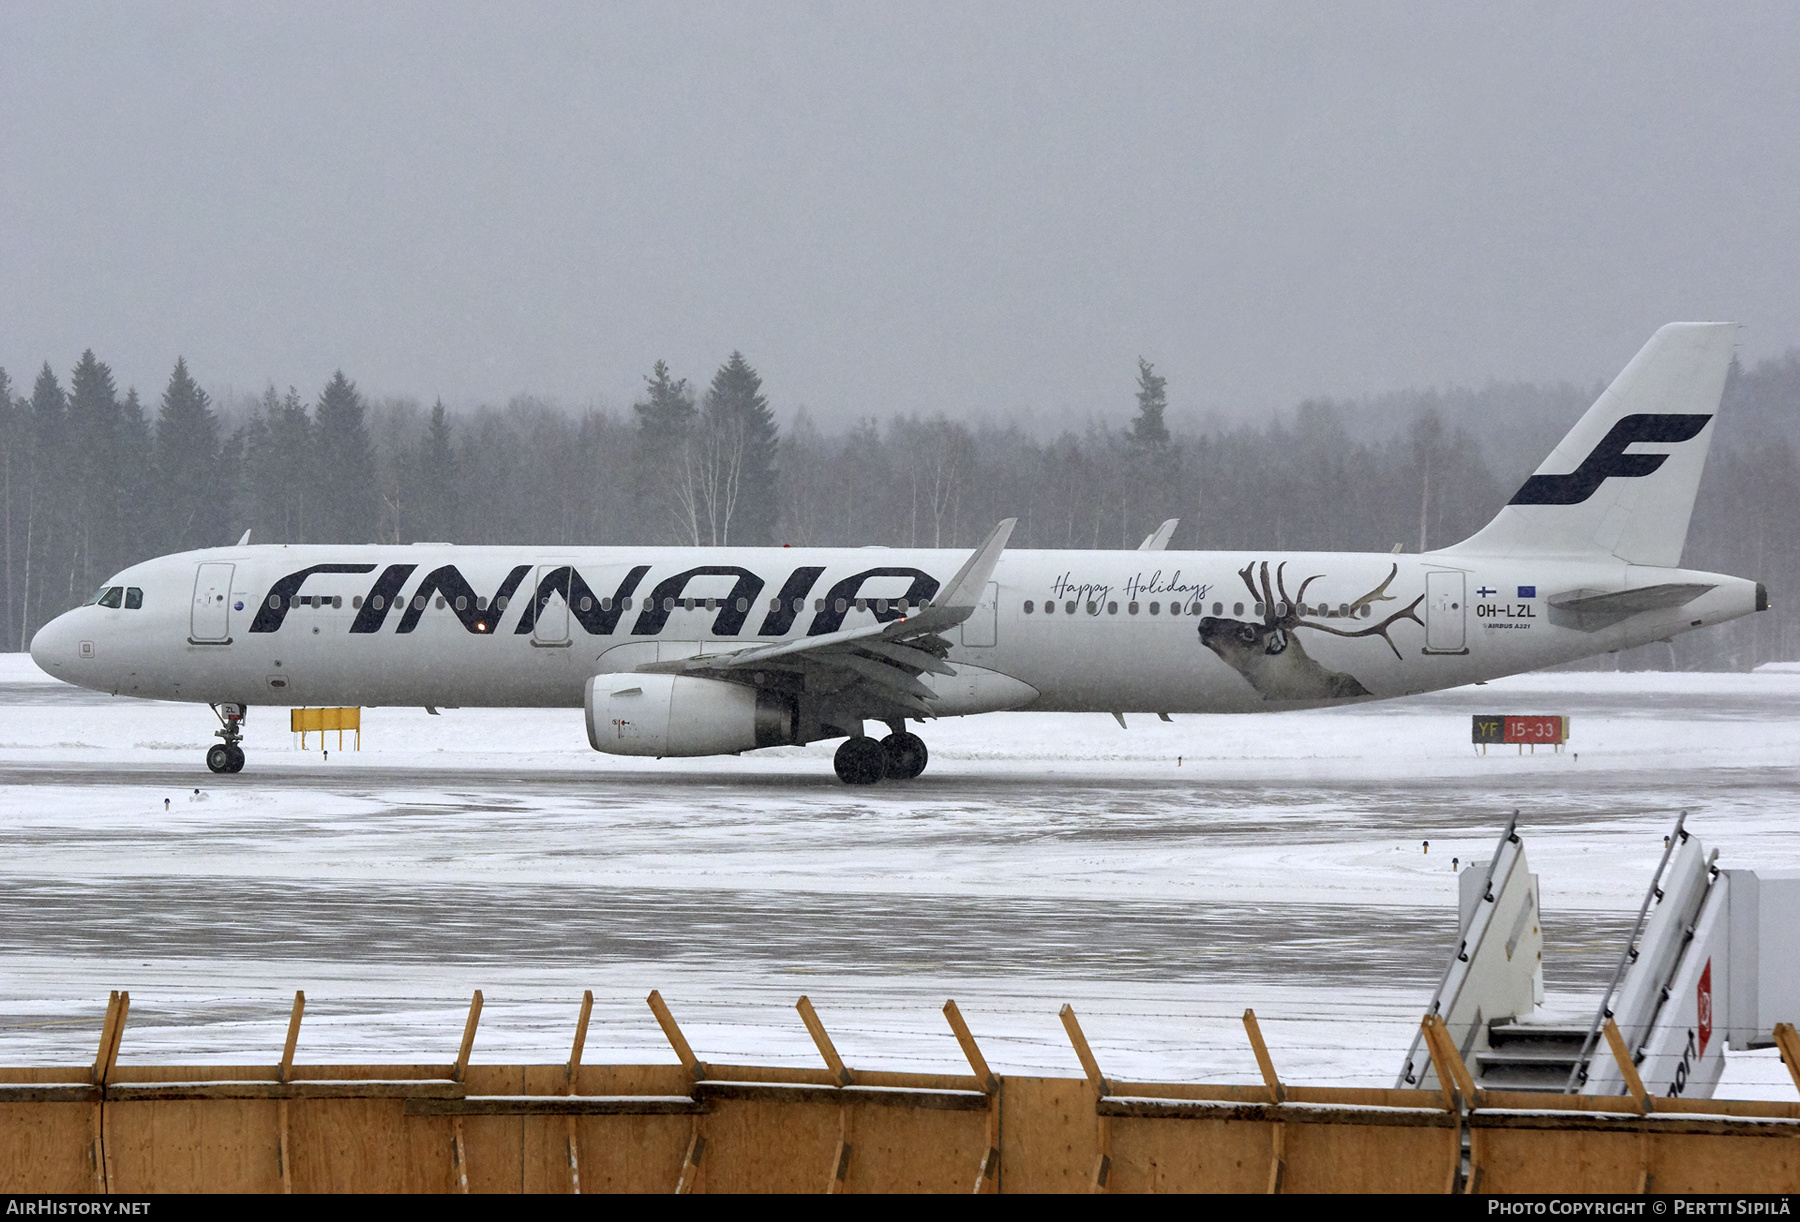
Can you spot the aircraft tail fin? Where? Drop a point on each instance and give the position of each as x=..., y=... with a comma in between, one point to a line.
x=1623, y=481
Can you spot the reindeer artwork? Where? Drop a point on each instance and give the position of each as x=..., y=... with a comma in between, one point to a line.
x=1269, y=655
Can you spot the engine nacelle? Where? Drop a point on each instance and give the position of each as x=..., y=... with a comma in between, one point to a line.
x=635, y=714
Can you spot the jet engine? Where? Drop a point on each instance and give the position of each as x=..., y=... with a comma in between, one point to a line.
x=636, y=714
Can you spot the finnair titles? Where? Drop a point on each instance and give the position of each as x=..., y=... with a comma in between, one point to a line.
x=707, y=651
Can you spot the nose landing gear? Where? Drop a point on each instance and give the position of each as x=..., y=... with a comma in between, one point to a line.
x=227, y=756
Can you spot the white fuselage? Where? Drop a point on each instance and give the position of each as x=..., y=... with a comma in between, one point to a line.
x=1162, y=632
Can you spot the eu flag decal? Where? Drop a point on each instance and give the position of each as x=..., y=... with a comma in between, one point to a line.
x=1527, y=591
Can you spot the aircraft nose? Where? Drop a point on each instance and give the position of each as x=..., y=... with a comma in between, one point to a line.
x=54, y=646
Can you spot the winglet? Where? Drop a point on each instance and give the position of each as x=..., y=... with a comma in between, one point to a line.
x=965, y=589
x=1158, y=539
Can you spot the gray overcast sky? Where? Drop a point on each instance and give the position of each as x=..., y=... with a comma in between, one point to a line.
x=974, y=208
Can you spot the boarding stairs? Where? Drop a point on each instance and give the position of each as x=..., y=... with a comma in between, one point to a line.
x=1708, y=965
x=1529, y=1056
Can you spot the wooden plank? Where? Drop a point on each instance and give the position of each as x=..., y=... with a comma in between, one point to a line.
x=1788, y=1042
x=822, y=1041
x=73, y=1092
x=293, y=1036
x=1453, y=1076
x=988, y=1178
x=571, y=1134
x=838, y=1096
x=983, y=1075
x=838, y=1179
x=1277, y=1092
x=284, y=1146
x=581, y=1030
x=1047, y=1139
x=468, y=1039
x=617, y=1153
x=1083, y=1053
x=1632, y=1122
x=459, y=1157
x=556, y=1105
x=672, y=1032
x=1622, y=1055
x=690, y=1163
x=96, y=1074
x=185, y=1146
x=1101, y=1176
x=1278, y=1159
x=313, y=1088
x=283, y=1151
x=103, y=1160
x=1140, y=1108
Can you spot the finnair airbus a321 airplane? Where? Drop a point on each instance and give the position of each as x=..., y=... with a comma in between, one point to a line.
x=709, y=651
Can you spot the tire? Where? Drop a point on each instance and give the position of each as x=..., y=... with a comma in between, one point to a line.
x=237, y=759
x=906, y=756
x=218, y=757
x=860, y=761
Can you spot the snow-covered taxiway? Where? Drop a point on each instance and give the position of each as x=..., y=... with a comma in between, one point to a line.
x=1161, y=878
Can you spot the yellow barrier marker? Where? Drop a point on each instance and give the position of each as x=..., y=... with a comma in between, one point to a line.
x=305, y=721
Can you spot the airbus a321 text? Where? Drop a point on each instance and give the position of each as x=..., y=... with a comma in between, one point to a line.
x=705, y=651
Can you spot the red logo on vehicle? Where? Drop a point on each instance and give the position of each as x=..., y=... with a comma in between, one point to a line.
x=1704, y=999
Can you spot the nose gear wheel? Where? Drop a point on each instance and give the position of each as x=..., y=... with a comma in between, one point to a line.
x=227, y=755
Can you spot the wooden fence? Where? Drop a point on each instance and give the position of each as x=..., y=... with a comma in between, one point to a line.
x=693, y=1126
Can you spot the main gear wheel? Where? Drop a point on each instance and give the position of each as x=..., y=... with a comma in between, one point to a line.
x=861, y=761
x=906, y=755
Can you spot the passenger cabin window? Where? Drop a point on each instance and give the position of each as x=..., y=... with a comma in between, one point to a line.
x=134, y=599
x=112, y=596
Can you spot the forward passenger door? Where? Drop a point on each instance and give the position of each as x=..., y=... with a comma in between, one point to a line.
x=211, y=621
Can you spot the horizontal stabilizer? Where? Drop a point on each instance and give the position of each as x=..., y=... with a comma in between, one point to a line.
x=1592, y=610
x=1630, y=602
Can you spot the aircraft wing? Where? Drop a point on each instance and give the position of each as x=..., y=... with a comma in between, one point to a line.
x=876, y=667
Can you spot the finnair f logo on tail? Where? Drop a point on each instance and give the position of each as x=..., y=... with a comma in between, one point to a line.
x=1610, y=459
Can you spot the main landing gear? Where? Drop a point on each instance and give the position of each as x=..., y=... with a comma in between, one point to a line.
x=227, y=756
x=900, y=756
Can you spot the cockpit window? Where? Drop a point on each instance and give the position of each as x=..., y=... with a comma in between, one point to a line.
x=112, y=596
x=134, y=598
x=94, y=597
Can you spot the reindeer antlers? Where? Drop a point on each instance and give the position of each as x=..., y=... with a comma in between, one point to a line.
x=1380, y=629
x=1297, y=602
x=1266, y=596
x=1378, y=594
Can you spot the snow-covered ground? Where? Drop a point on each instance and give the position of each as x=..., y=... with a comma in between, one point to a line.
x=1161, y=878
